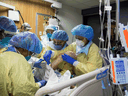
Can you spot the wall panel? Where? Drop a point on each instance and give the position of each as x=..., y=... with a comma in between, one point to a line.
x=28, y=9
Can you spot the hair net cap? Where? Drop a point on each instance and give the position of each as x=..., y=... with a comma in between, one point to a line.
x=26, y=25
x=7, y=24
x=28, y=41
x=52, y=27
x=60, y=35
x=84, y=31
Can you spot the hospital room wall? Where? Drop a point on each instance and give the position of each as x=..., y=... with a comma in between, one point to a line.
x=69, y=18
x=93, y=21
x=28, y=10
x=124, y=14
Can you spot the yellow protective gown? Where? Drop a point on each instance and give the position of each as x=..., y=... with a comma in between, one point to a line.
x=64, y=66
x=87, y=63
x=16, y=76
x=3, y=49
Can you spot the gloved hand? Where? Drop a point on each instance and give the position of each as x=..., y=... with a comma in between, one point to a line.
x=37, y=64
x=42, y=82
x=47, y=56
x=68, y=59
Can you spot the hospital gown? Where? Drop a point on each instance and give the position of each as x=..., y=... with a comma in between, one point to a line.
x=16, y=76
x=87, y=63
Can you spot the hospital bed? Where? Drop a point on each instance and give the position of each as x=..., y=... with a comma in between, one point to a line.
x=87, y=84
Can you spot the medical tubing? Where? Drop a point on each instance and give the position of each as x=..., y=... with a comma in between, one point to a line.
x=103, y=86
x=106, y=41
x=120, y=90
x=108, y=26
x=101, y=22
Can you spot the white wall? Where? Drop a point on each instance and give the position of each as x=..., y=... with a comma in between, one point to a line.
x=69, y=18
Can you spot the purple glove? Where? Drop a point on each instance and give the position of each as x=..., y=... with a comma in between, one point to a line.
x=68, y=59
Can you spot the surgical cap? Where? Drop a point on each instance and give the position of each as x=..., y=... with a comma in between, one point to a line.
x=60, y=35
x=27, y=26
x=52, y=27
x=28, y=41
x=84, y=31
x=7, y=24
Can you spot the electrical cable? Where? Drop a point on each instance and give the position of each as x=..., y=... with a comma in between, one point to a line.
x=20, y=16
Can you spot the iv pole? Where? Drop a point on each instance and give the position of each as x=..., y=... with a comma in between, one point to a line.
x=117, y=17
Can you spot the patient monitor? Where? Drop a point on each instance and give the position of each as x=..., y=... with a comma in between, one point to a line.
x=119, y=70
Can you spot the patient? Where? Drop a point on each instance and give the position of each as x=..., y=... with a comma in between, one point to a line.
x=59, y=59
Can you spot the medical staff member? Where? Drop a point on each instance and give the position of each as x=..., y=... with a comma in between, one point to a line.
x=46, y=38
x=15, y=72
x=25, y=27
x=6, y=24
x=59, y=42
x=88, y=57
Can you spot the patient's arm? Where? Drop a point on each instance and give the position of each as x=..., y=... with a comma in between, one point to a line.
x=59, y=59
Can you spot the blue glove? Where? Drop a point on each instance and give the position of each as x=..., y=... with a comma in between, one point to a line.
x=47, y=56
x=43, y=83
x=68, y=59
x=37, y=64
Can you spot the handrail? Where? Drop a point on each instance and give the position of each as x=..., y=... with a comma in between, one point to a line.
x=59, y=86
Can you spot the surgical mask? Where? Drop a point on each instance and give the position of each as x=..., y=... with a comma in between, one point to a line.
x=27, y=58
x=57, y=47
x=79, y=43
x=49, y=35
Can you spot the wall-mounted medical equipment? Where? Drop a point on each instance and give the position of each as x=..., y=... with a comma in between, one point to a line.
x=123, y=30
x=14, y=15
